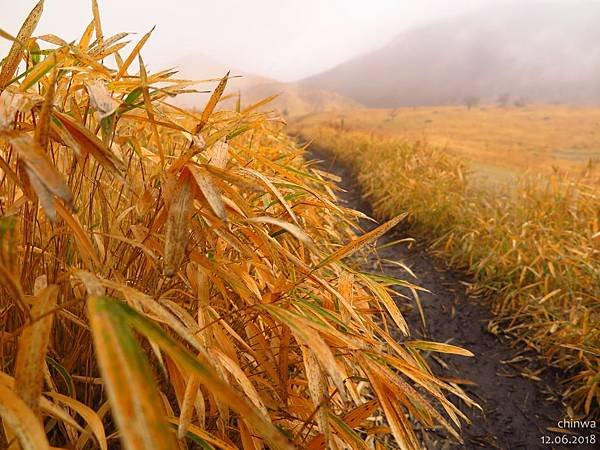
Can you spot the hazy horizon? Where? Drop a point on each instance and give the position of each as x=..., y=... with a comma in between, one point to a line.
x=296, y=38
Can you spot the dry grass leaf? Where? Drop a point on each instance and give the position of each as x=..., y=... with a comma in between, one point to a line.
x=439, y=347
x=33, y=344
x=318, y=392
x=294, y=230
x=100, y=99
x=42, y=130
x=218, y=154
x=44, y=177
x=21, y=421
x=16, y=51
x=177, y=225
x=89, y=142
x=112, y=312
x=271, y=187
x=86, y=248
x=12, y=103
x=187, y=406
x=89, y=415
x=201, y=437
x=209, y=252
x=211, y=193
x=212, y=103
x=97, y=22
x=134, y=53
x=134, y=404
x=529, y=246
x=360, y=242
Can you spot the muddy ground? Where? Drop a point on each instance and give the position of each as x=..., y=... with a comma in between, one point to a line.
x=517, y=408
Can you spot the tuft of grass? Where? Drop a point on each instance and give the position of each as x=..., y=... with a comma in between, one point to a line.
x=532, y=247
x=169, y=278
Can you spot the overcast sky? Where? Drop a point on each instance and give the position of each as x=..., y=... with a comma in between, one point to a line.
x=282, y=39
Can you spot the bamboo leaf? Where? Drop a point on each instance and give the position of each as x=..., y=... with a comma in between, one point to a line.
x=91, y=143
x=209, y=190
x=360, y=242
x=294, y=230
x=88, y=414
x=114, y=316
x=129, y=382
x=177, y=225
x=136, y=50
x=439, y=347
x=97, y=23
x=45, y=179
x=16, y=51
x=22, y=421
x=212, y=103
x=33, y=344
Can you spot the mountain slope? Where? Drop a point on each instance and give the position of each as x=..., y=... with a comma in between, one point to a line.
x=293, y=100
x=540, y=52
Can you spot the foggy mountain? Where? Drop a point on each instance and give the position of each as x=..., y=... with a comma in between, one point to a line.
x=293, y=100
x=541, y=52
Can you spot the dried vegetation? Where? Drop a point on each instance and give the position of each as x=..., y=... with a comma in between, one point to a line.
x=173, y=280
x=533, y=248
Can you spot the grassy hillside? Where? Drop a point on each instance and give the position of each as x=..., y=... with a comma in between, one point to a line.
x=533, y=248
x=292, y=100
x=498, y=143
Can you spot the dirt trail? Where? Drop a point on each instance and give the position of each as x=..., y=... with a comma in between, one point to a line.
x=516, y=410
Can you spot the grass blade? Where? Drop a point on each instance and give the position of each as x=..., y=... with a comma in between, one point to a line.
x=22, y=421
x=16, y=51
x=114, y=315
x=360, y=242
x=132, y=391
x=33, y=344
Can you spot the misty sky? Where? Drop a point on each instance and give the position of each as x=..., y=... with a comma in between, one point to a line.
x=285, y=40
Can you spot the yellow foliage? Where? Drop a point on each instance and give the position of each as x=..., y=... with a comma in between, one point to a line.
x=532, y=247
x=167, y=275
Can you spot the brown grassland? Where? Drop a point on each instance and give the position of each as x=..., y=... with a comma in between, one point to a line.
x=532, y=246
x=498, y=143
x=171, y=280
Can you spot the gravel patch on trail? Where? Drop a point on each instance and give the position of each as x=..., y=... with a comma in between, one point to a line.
x=517, y=407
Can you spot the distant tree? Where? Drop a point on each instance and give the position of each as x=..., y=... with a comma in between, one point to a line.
x=503, y=100
x=471, y=101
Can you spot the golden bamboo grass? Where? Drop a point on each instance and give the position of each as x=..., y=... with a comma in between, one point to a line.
x=168, y=279
x=534, y=248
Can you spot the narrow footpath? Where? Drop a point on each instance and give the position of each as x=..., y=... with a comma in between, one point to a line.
x=519, y=404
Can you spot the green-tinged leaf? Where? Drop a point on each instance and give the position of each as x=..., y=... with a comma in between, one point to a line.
x=129, y=381
x=39, y=71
